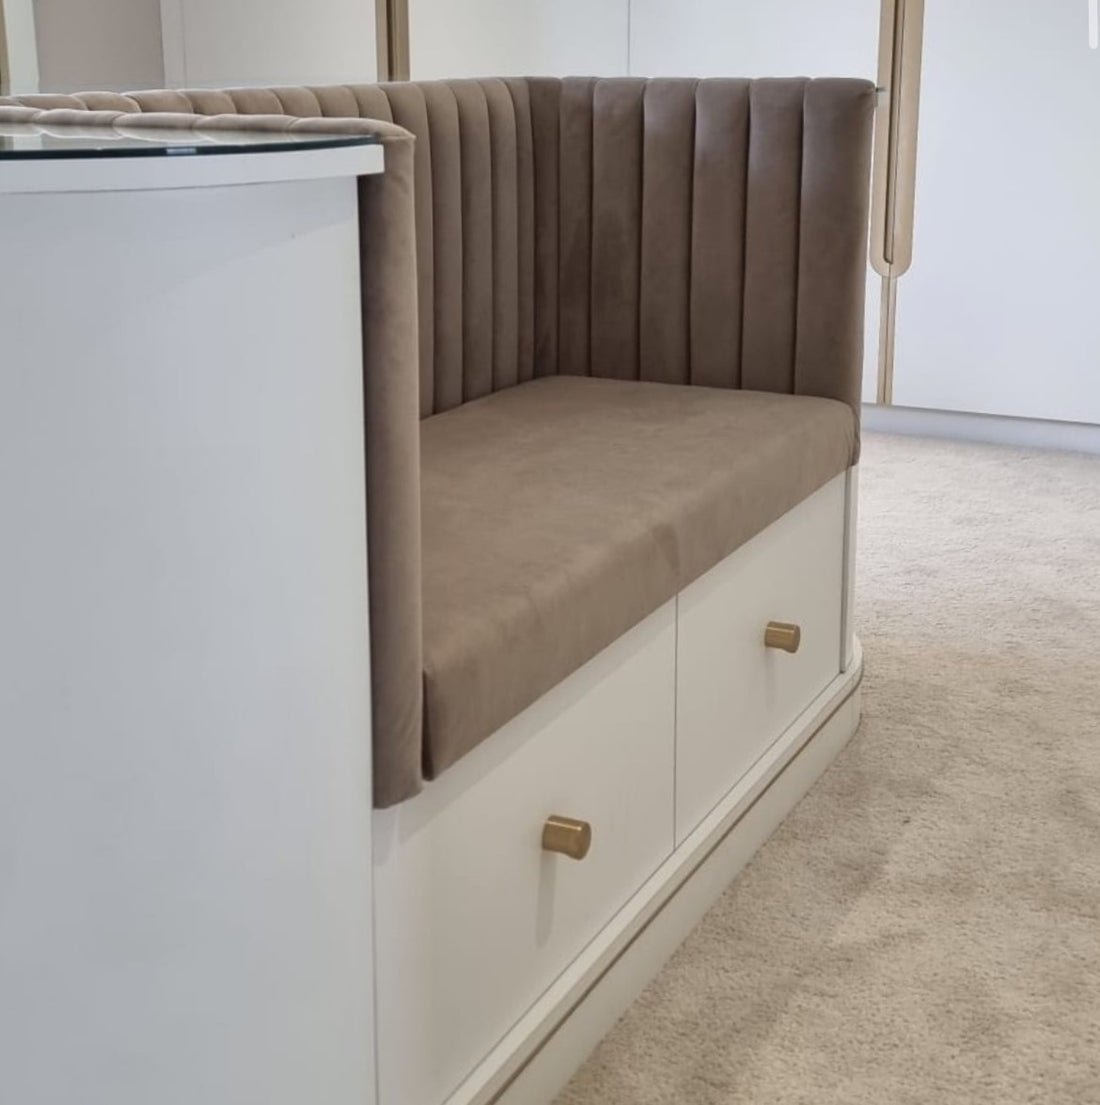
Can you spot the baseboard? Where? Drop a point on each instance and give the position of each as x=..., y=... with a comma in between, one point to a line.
x=1028, y=433
x=535, y=1060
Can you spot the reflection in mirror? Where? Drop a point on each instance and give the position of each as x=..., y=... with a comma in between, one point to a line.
x=18, y=47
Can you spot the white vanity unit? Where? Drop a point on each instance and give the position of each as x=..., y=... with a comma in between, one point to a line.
x=185, y=776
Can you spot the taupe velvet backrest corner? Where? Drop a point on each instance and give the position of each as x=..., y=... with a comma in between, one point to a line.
x=691, y=231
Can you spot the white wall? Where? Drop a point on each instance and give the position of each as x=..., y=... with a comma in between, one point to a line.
x=998, y=314
x=212, y=43
x=754, y=38
x=18, y=55
x=125, y=44
x=98, y=44
x=554, y=38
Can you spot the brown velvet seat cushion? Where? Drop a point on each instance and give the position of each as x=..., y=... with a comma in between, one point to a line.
x=559, y=513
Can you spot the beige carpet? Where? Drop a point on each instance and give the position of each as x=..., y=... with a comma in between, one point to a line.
x=925, y=927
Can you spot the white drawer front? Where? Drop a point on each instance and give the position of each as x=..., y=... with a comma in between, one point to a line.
x=473, y=919
x=736, y=696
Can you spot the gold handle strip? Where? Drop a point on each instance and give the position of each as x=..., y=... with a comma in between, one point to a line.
x=905, y=173
x=567, y=836
x=783, y=636
x=889, y=26
x=392, y=36
x=901, y=46
x=5, y=64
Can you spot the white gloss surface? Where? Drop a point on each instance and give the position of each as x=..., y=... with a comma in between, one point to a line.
x=185, y=778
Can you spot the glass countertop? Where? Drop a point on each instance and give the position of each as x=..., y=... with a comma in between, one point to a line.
x=27, y=141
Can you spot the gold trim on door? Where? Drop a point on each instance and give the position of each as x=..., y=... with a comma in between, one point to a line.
x=5, y=67
x=392, y=18
x=901, y=45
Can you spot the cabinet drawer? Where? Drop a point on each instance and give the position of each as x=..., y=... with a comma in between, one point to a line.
x=735, y=695
x=474, y=919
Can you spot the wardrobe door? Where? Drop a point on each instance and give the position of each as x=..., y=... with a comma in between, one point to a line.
x=219, y=43
x=999, y=312
x=503, y=38
x=755, y=38
x=18, y=48
x=765, y=38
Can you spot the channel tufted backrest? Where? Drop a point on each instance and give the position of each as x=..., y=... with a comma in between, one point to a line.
x=709, y=232
x=700, y=232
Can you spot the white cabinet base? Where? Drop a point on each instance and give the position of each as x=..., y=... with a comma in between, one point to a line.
x=535, y=1060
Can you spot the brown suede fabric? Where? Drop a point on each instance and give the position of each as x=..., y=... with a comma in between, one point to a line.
x=391, y=402
x=525, y=214
x=708, y=232
x=575, y=227
x=772, y=224
x=719, y=195
x=617, y=142
x=560, y=513
x=504, y=173
x=544, y=95
x=664, y=299
x=476, y=220
x=836, y=164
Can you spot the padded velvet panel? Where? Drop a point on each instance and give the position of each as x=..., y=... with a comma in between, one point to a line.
x=212, y=101
x=559, y=513
x=448, y=305
x=48, y=118
x=476, y=220
x=391, y=410
x=545, y=99
x=372, y=101
x=836, y=164
x=54, y=101
x=664, y=302
x=504, y=167
x=719, y=188
x=170, y=99
x=339, y=101
x=575, y=227
x=405, y=103
x=772, y=223
x=617, y=143
x=291, y=100
x=525, y=260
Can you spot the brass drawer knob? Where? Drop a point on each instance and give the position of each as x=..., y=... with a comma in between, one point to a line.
x=567, y=836
x=783, y=635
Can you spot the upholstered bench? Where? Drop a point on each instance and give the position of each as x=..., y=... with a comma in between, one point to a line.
x=559, y=513
x=613, y=346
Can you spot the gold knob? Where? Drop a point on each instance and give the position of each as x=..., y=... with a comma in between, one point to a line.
x=565, y=835
x=783, y=635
